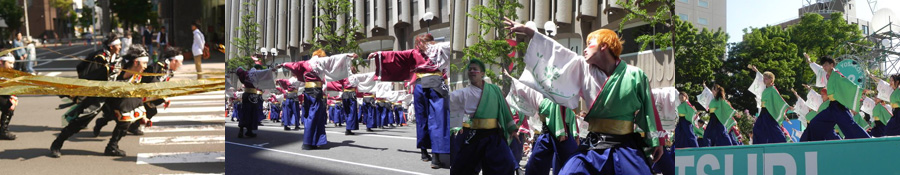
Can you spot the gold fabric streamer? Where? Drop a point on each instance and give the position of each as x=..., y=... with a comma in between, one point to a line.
x=20, y=83
x=129, y=71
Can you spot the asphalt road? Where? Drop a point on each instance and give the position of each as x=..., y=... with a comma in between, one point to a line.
x=276, y=151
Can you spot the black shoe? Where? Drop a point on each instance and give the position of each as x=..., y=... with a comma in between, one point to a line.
x=369, y=130
x=436, y=162
x=136, y=131
x=110, y=151
x=296, y=127
x=335, y=125
x=250, y=134
x=241, y=133
x=308, y=147
x=232, y=119
x=425, y=156
x=349, y=133
x=54, y=150
x=287, y=128
x=6, y=135
x=260, y=124
x=97, y=131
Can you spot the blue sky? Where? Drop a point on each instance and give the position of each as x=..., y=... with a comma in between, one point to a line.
x=759, y=13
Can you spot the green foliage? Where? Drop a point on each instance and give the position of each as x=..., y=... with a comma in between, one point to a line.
x=334, y=39
x=11, y=13
x=662, y=15
x=87, y=16
x=492, y=46
x=698, y=54
x=131, y=12
x=246, y=43
x=769, y=49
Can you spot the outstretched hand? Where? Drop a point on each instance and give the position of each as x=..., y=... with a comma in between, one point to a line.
x=515, y=27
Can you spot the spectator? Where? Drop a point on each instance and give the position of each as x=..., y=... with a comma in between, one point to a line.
x=197, y=47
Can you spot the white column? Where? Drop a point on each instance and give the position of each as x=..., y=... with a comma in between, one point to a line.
x=371, y=5
x=471, y=24
x=406, y=14
x=307, y=21
x=434, y=8
x=271, y=24
x=524, y=12
x=360, y=7
x=261, y=20
x=295, y=23
x=459, y=24
x=589, y=8
x=564, y=11
x=381, y=22
x=541, y=13
x=282, y=25
x=490, y=34
x=228, y=29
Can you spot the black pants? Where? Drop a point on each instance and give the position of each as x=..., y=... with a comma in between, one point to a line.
x=85, y=112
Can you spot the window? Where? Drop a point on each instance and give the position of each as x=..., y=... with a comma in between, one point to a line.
x=684, y=1
x=683, y=17
x=399, y=7
x=366, y=9
x=702, y=21
x=702, y=3
x=389, y=10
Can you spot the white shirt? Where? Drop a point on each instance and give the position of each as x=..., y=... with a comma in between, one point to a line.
x=30, y=48
x=463, y=103
x=126, y=44
x=559, y=73
x=199, y=41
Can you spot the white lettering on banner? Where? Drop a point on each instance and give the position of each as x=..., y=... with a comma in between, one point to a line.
x=770, y=161
x=684, y=162
x=707, y=159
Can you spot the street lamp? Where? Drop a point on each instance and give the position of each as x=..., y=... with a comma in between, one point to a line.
x=550, y=28
x=428, y=16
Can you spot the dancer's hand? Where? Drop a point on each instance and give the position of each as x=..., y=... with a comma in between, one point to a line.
x=807, y=57
x=657, y=153
x=515, y=27
x=372, y=55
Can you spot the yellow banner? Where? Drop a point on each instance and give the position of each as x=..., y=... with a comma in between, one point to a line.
x=20, y=83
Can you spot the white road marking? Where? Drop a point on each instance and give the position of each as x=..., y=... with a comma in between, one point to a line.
x=194, y=103
x=212, y=117
x=220, y=97
x=180, y=157
x=172, y=109
x=185, y=128
x=183, y=140
x=328, y=159
x=375, y=135
x=53, y=74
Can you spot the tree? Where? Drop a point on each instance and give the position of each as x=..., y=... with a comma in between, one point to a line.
x=818, y=36
x=662, y=15
x=131, y=12
x=492, y=46
x=769, y=49
x=699, y=54
x=87, y=17
x=246, y=43
x=12, y=14
x=334, y=39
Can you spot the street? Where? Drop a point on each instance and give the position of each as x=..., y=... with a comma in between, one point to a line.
x=186, y=137
x=276, y=151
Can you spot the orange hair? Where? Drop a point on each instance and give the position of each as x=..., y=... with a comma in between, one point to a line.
x=609, y=38
x=319, y=53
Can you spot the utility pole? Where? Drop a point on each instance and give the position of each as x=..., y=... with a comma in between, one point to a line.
x=25, y=9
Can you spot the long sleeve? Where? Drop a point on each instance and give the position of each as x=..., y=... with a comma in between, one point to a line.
x=332, y=68
x=821, y=75
x=562, y=74
x=884, y=90
x=868, y=106
x=774, y=104
x=396, y=65
x=363, y=82
x=801, y=109
x=705, y=97
x=438, y=55
x=524, y=99
x=813, y=100
x=757, y=88
x=843, y=91
x=262, y=79
x=646, y=117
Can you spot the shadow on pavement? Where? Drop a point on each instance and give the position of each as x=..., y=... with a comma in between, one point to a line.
x=28, y=128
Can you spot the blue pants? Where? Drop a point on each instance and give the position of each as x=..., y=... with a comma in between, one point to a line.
x=517, y=147
x=702, y=142
x=767, y=130
x=236, y=111
x=402, y=118
x=490, y=155
x=878, y=130
x=251, y=109
x=684, y=134
x=716, y=133
x=380, y=115
x=822, y=127
x=274, y=112
x=892, y=128
x=351, y=113
x=548, y=152
x=432, y=129
x=314, y=131
x=368, y=112
x=666, y=164
x=389, y=115
x=620, y=159
x=734, y=138
x=290, y=111
x=331, y=114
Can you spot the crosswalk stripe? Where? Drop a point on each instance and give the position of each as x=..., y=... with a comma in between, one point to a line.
x=185, y=128
x=195, y=103
x=213, y=92
x=213, y=117
x=180, y=157
x=183, y=140
x=198, y=97
x=192, y=109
